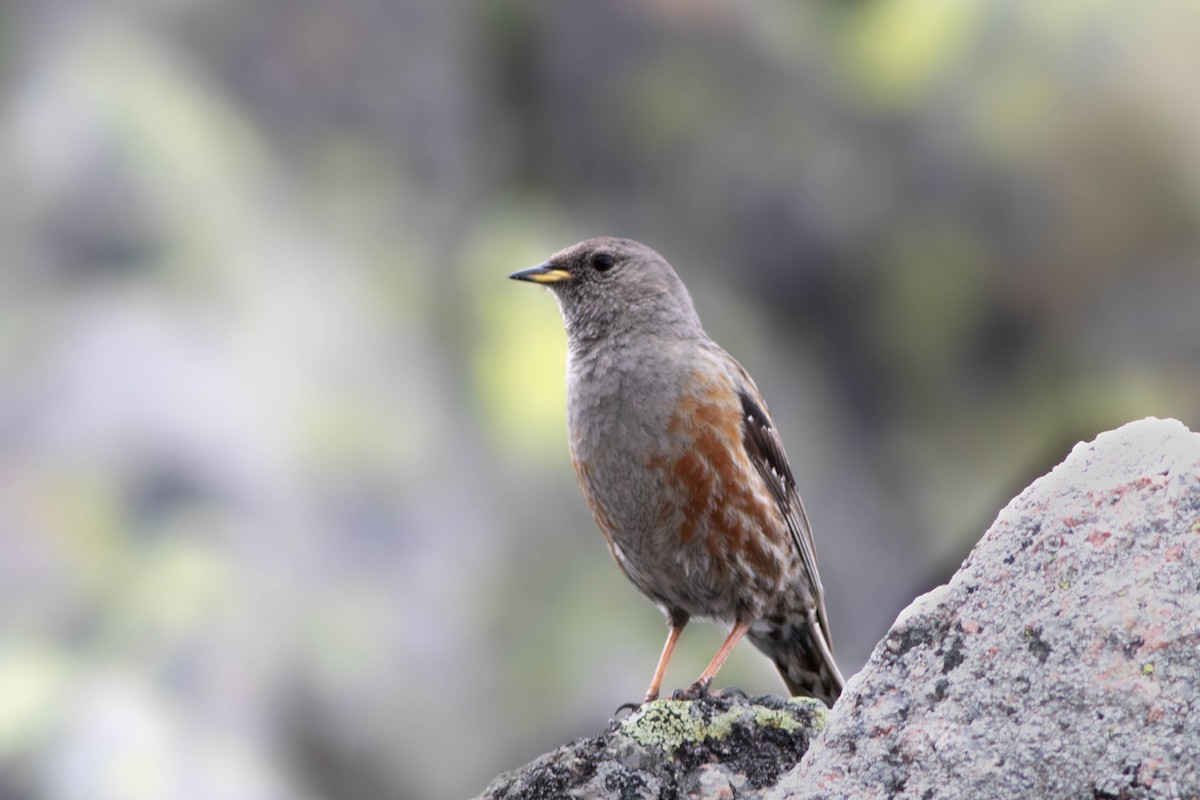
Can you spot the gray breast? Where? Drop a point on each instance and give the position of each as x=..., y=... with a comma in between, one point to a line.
x=618, y=411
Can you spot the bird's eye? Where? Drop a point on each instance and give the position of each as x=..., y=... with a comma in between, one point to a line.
x=603, y=262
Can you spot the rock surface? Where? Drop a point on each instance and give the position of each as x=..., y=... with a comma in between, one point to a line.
x=724, y=745
x=1062, y=659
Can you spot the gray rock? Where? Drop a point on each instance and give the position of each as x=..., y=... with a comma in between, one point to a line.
x=722, y=746
x=1062, y=660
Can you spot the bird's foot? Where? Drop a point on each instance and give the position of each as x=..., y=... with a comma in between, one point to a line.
x=694, y=692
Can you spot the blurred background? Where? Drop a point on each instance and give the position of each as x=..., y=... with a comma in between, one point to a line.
x=286, y=508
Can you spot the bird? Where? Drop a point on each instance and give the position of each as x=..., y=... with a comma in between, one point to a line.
x=683, y=468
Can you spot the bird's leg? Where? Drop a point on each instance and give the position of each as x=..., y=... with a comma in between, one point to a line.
x=677, y=621
x=700, y=687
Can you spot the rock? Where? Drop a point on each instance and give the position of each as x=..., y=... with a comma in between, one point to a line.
x=1063, y=658
x=721, y=746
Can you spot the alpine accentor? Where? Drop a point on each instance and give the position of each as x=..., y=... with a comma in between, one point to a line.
x=682, y=466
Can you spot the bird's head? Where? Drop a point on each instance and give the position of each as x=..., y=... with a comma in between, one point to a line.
x=608, y=285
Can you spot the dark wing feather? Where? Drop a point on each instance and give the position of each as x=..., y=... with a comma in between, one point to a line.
x=765, y=448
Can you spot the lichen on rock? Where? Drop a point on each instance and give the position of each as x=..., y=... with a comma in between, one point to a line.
x=723, y=745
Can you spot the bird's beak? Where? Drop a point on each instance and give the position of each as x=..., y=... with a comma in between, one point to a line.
x=542, y=273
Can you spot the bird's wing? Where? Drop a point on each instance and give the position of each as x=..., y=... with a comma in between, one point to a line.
x=765, y=449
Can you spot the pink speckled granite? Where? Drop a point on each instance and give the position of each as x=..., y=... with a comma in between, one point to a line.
x=1061, y=661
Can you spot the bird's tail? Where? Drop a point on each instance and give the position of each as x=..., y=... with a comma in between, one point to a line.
x=802, y=654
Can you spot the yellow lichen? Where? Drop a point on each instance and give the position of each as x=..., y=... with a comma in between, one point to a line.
x=669, y=724
x=819, y=711
x=664, y=723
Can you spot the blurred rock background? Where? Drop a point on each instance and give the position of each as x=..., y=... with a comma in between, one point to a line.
x=286, y=509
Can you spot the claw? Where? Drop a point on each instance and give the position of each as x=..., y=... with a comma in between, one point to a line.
x=630, y=707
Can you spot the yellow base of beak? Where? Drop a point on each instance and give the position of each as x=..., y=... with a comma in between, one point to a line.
x=543, y=273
